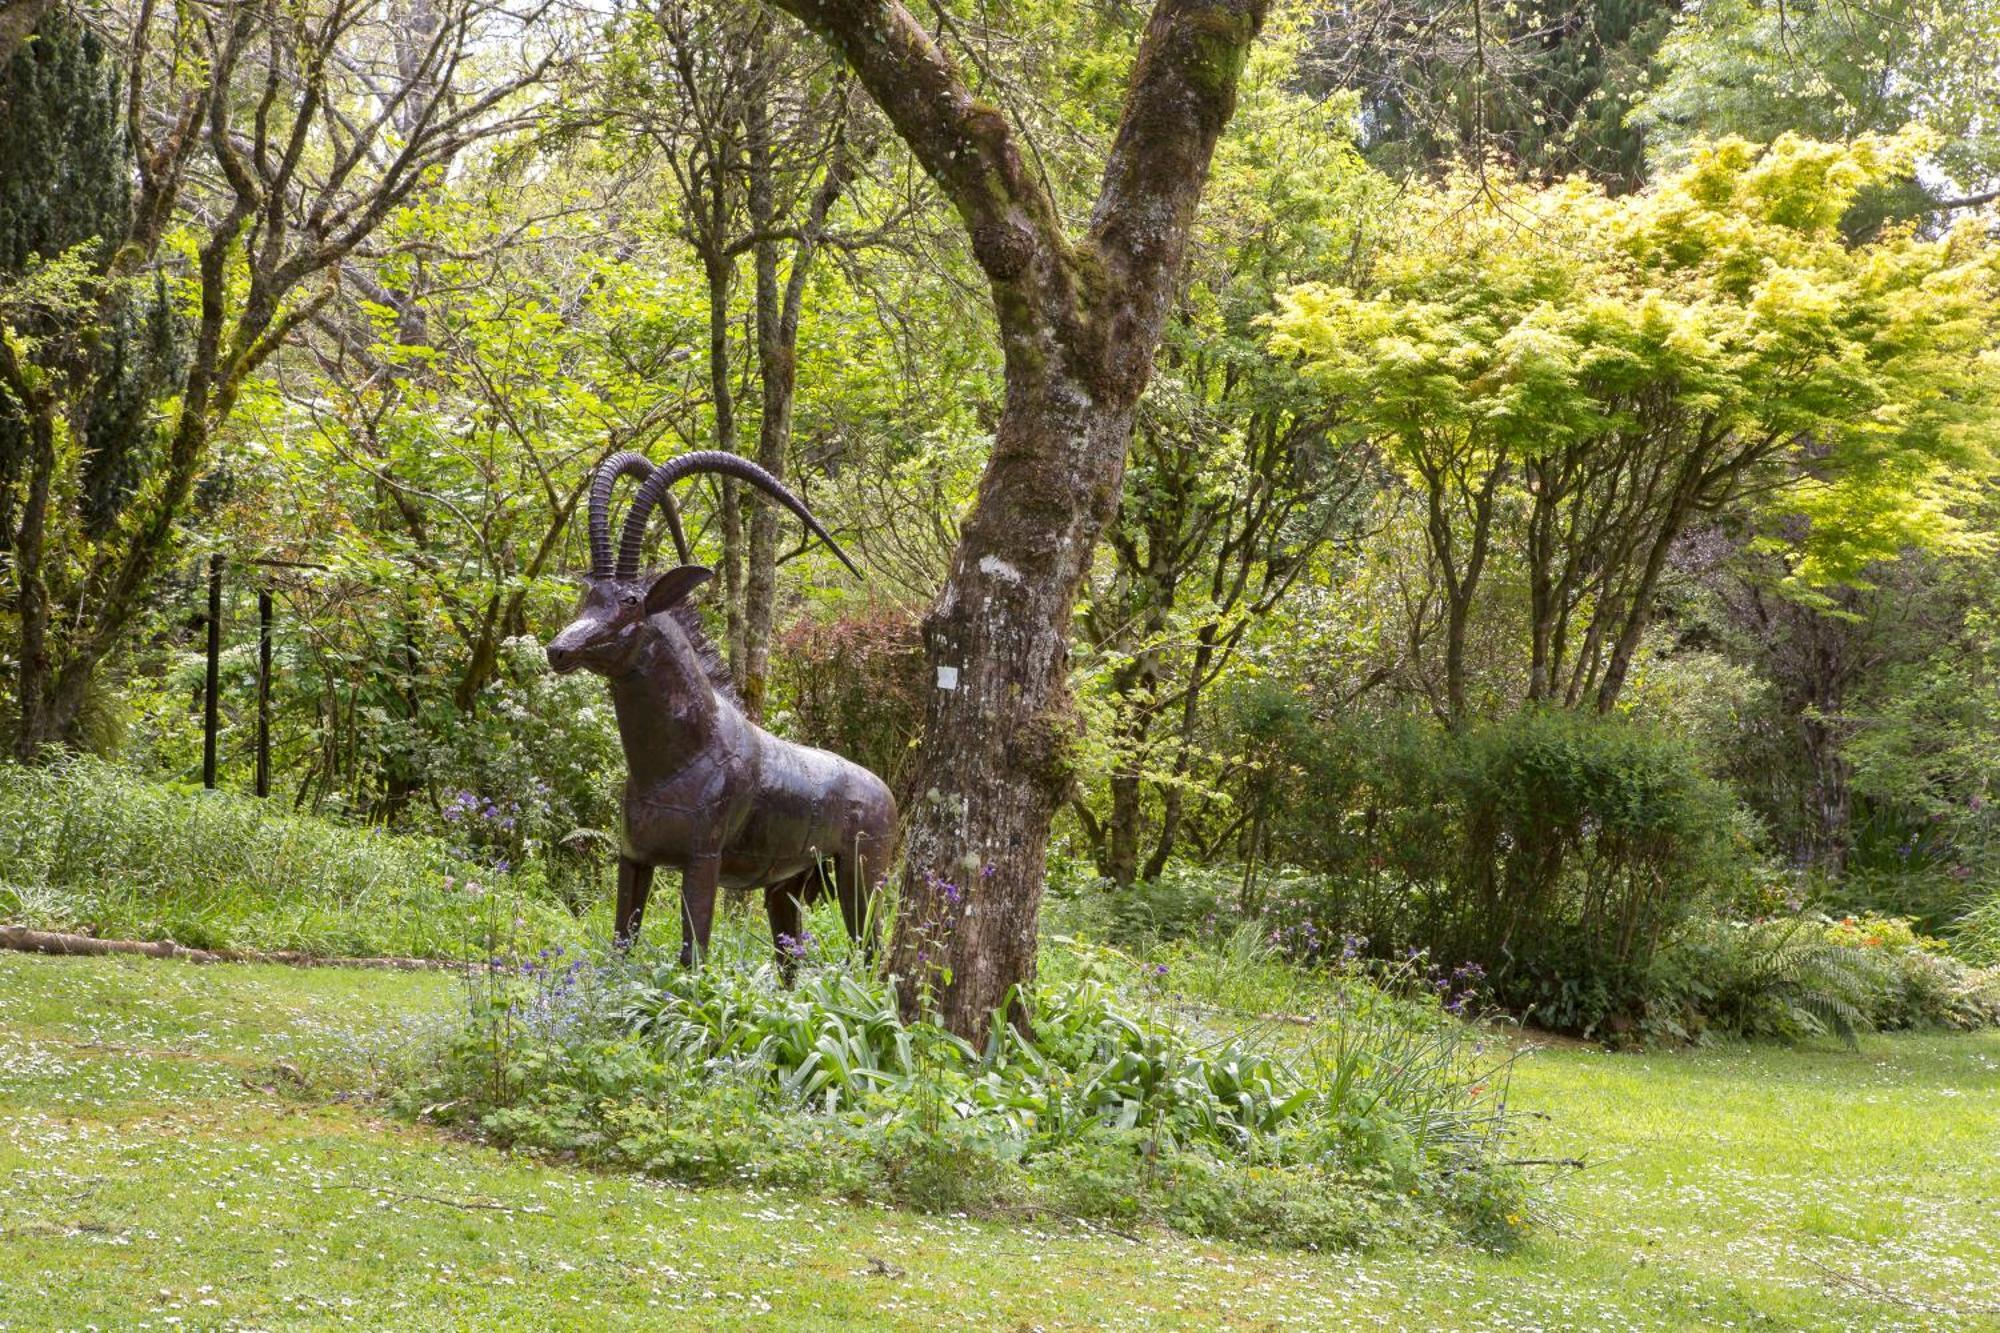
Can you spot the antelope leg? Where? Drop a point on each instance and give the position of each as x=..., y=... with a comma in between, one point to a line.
x=782, y=901
x=698, y=882
x=850, y=886
x=635, y=882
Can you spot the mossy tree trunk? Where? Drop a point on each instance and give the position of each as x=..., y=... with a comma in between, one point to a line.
x=1080, y=319
x=18, y=19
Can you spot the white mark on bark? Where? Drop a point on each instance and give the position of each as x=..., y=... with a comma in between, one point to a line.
x=994, y=567
x=947, y=677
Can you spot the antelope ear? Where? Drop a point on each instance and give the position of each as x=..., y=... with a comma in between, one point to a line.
x=674, y=585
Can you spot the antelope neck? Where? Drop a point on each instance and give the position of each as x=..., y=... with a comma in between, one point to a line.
x=666, y=707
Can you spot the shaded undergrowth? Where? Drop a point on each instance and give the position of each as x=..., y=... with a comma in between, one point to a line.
x=1374, y=1117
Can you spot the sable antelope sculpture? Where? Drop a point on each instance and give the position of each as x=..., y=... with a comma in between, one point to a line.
x=708, y=792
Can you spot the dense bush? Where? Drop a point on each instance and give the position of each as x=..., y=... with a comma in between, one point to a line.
x=854, y=684
x=1585, y=839
x=1556, y=851
x=88, y=846
x=1925, y=840
x=1185, y=901
x=1933, y=865
x=541, y=751
x=399, y=751
x=1381, y=1119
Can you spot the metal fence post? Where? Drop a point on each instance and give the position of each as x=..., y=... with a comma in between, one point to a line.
x=263, y=691
x=210, y=704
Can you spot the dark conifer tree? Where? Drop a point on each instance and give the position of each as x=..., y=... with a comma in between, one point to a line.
x=66, y=185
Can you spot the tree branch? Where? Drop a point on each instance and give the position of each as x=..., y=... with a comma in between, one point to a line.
x=1182, y=93
x=965, y=145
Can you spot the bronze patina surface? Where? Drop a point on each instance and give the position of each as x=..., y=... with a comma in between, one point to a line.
x=708, y=792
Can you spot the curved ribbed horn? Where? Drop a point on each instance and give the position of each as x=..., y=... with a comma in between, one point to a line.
x=706, y=460
x=626, y=464
x=608, y=472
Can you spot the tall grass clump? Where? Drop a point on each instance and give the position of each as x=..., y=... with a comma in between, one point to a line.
x=1978, y=934
x=86, y=846
x=1364, y=1124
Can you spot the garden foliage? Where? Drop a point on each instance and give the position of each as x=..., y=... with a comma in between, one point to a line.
x=1808, y=976
x=1384, y=1118
x=853, y=684
x=1558, y=852
x=86, y=846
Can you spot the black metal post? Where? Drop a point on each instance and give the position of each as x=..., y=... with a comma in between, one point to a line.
x=209, y=707
x=263, y=691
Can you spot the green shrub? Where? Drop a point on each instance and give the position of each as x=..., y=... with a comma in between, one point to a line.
x=854, y=683
x=1586, y=841
x=528, y=783
x=1186, y=900
x=1923, y=890
x=1374, y=1121
x=88, y=846
x=1555, y=851
x=1810, y=976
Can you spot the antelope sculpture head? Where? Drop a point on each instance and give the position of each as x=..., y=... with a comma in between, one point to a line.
x=618, y=599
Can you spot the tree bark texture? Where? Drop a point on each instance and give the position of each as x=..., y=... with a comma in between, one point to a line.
x=1079, y=323
x=779, y=305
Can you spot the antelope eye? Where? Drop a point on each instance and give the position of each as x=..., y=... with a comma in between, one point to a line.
x=630, y=599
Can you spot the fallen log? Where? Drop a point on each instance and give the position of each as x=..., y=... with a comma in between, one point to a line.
x=23, y=940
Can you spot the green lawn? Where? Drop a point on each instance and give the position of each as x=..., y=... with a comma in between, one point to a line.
x=175, y=1153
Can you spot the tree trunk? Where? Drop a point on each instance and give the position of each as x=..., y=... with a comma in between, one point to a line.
x=1461, y=593
x=1830, y=796
x=1638, y=615
x=1132, y=686
x=1174, y=798
x=775, y=378
x=778, y=311
x=1543, y=519
x=35, y=729
x=18, y=19
x=1822, y=730
x=720, y=270
x=1122, y=829
x=52, y=696
x=1079, y=324
x=1000, y=724
x=733, y=590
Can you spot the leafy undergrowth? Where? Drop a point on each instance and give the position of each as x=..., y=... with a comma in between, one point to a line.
x=162, y=1169
x=1808, y=976
x=1785, y=974
x=1377, y=1118
x=89, y=847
